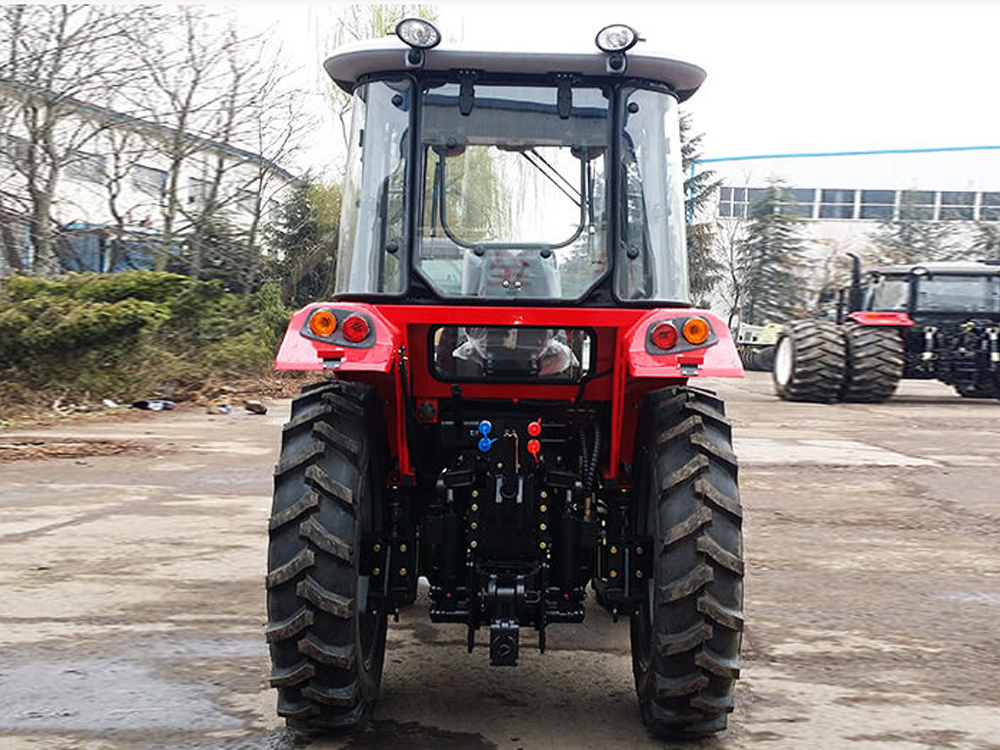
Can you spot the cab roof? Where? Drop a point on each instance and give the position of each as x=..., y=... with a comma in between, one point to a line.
x=964, y=268
x=350, y=62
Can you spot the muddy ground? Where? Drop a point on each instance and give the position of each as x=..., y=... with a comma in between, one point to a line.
x=132, y=557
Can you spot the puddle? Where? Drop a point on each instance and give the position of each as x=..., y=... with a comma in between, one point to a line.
x=414, y=736
x=976, y=597
x=282, y=739
x=95, y=695
x=22, y=450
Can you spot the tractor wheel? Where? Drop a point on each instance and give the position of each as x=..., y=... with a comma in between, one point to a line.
x=326, y=637
x=809, y=361
x=765, y=358
x=978, y=390
x=687, y=632
x=875, y=363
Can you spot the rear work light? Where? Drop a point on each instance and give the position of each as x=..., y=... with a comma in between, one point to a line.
x=355, y=329
x=323, y=323
x=696, y=331
x=664, y=335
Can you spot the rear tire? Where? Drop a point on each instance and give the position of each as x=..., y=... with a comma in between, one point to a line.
x=978, y=390
x=810, y=361
x=687, y=634
x=327, y=647
x=875, y=363
x=765, y=358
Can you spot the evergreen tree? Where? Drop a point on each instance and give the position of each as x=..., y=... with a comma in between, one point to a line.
x=303, y=240
x=986, y=241
x=912, y=236
x=704, y=269
x=769, y=257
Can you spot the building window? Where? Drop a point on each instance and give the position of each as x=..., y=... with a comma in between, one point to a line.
x=837, y=204
x=800, y=202
x=877, y=204
x=246, y=201
x=733, y=202
x=149, y=181
x=957, y=206
x=198, y=192
x=989, y=207
x=85, y=167
x=916, y=205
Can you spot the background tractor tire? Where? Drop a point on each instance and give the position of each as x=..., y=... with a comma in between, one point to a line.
x=765, y=359
x=327, y=647
x=978, y=390
x=810, y=361
x=875, y=362
x=687, y=634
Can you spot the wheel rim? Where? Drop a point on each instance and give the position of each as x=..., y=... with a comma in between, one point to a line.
x=783, y=361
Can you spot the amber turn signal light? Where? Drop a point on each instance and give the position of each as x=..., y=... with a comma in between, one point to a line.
x=355, y=329
x=323, y=323
x=696, y=331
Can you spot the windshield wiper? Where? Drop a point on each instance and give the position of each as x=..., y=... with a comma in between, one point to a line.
x=564, y=186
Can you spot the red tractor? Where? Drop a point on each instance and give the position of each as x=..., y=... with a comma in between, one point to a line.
x=932, y=321
x=504, y=408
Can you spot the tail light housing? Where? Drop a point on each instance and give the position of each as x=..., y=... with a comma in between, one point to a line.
x=664, y=335
x=355, y=329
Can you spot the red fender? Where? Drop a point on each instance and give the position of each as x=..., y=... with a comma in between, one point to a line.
x=874, y=318
x=717, y=358
x=300, y=353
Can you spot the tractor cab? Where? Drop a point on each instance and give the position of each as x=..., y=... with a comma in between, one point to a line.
x=503, y=407
x=504, y=178
x=959, y=290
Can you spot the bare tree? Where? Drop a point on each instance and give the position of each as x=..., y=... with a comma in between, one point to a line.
x=358, y=22
x=224, y=115
x=53, y=59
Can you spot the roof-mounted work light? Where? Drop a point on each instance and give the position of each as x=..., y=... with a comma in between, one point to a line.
x=420, y=35
x=616, y=40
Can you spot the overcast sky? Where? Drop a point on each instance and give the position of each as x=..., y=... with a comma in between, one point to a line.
x=782, y=76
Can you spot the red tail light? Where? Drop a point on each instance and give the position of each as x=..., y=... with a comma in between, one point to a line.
x=664, y=335
x=355, y=329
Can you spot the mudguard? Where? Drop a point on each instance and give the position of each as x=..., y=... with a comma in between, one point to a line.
x=308, y=352
x=875, y=318
x=716, y=358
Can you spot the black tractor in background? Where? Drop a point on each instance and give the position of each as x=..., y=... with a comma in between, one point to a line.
x=929, y=321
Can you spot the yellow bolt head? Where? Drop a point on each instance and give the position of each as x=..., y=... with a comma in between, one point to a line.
x=402, y=548
x=402, y=571
x=613, y=574
x=614, y=550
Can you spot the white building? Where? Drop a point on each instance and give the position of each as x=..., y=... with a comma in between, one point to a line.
x=844, y=195
x=114, y=179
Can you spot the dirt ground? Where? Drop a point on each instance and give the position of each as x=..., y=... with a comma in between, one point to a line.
x=132, y=558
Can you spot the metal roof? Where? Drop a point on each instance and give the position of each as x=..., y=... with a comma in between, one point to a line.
x=970, y=268
x=351, y=62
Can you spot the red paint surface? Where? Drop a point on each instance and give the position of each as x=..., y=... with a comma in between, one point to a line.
x=624, y=371
x=881, y=318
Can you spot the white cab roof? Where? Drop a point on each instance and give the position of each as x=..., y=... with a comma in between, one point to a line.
x=352, y=61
